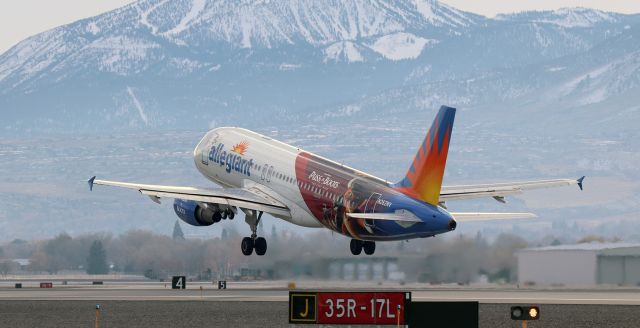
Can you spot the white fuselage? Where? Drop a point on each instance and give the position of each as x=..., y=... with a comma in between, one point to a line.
x=263, y=163
x=316, y=191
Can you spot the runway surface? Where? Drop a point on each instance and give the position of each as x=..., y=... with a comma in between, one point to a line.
x=264, y=304
x=277, y=292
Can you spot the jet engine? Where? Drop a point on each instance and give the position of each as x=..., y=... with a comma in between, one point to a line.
x=194, y=214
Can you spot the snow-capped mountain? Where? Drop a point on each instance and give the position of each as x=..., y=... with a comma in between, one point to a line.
x=199, y=63
x=567, y=17
x=551, y=93
x=125, y=41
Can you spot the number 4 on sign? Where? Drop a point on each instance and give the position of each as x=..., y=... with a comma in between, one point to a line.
x=179, y=283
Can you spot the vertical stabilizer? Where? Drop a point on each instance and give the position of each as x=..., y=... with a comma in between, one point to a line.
x=424, y=178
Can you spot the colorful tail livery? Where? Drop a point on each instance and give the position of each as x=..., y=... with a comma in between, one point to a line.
x=424, y=178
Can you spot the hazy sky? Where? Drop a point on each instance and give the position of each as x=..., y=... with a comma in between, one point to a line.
x=22, y=18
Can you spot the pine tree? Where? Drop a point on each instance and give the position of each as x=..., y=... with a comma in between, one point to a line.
x=97, y=260
x=177, y=231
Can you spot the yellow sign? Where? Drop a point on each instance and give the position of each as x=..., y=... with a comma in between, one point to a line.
x=302, y=308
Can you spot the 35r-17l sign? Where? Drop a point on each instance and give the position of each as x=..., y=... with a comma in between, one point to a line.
x=349, y=308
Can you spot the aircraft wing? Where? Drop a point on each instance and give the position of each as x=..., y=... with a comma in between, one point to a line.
x=251, y=198
x=470, y=217
x=500, y=190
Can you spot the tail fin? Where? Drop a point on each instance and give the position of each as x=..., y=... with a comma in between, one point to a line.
x=424, y=178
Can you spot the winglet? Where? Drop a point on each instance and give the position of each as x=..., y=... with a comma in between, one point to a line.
x=93, y=178
x=580, y=182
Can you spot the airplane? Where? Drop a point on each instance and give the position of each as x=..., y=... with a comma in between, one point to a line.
x=258, y=175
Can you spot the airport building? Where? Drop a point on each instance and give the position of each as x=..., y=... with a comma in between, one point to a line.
x=348, y=269
x=580, y=265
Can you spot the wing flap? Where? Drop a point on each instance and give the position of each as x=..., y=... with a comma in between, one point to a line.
x=479, y=216
x=239, y=197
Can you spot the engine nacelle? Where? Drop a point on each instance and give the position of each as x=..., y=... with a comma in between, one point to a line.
x=194, y=214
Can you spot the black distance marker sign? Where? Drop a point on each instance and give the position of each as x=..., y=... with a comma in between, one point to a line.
x=178, y=282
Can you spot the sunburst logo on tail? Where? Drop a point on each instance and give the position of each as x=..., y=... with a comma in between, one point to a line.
x=240, y=148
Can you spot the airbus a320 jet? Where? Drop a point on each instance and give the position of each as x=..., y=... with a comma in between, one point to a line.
x=258, y=175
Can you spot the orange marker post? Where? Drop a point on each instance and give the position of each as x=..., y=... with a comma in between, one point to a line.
x=97, y=316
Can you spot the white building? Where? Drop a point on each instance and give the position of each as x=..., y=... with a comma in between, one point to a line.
x=582, y=264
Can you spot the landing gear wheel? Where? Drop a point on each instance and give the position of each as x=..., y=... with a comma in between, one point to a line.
x=217, y=216
x=224, y=215
x=356, y=246
x=369, y=247
x=260, y=245
x=247, y=246
x=230, y=214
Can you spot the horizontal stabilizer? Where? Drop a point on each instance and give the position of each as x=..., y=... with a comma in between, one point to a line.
x=501, y=189
x=400, y=217
x=470, y=216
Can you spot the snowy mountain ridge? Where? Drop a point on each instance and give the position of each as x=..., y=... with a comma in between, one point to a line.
x=119, y=41
x=268, y=23
x=217, y=60
x=565, y=17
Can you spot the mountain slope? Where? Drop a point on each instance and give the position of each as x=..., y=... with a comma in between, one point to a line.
x=199, y=63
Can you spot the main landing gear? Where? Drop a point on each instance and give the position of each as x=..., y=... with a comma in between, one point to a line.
x=254, y=242
x=358, y=245
x=227, y=214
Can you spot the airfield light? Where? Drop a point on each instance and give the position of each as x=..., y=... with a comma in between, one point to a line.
x=516, y=312
x=525, y=313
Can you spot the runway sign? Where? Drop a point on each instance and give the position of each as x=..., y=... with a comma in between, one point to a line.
x=222, y=284
x=46, y=285
x=349, y=308
x=443, y=314
x=178, y=282
x=302, y=307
